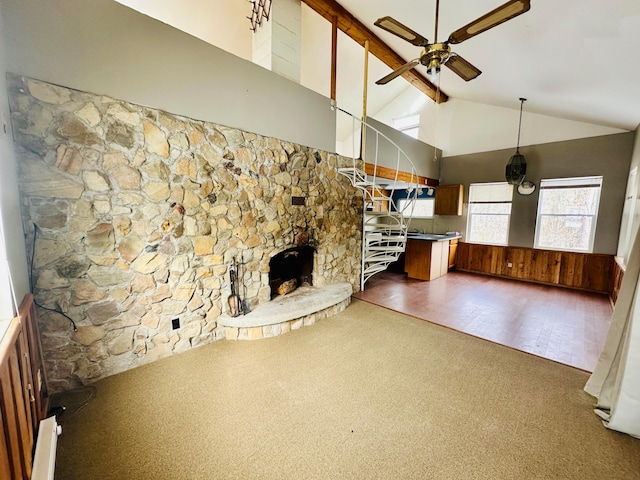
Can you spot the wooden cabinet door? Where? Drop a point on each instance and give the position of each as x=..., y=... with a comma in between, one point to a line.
x=453, y=253
x=448, y=200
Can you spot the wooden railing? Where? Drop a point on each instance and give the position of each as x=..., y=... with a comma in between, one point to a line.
x=585, y=271
x=24, y=396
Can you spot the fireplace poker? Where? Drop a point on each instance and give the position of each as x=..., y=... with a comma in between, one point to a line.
x=234, y=300
x=244, y=304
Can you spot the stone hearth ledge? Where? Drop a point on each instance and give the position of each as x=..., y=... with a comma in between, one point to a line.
x=301, y=307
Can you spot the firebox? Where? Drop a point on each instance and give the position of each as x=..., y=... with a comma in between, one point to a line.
x=295, y=263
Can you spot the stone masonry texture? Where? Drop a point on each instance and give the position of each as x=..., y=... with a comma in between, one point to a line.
x=137, y=214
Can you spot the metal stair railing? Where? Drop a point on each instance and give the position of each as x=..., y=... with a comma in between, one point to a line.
x=385, y=225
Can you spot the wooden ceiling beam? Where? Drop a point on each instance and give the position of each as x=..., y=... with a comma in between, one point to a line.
x=354, y=28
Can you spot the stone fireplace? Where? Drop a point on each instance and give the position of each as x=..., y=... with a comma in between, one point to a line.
x=292, y=265
x=140, y=215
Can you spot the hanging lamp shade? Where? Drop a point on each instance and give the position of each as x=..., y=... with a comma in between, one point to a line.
x=516, y=169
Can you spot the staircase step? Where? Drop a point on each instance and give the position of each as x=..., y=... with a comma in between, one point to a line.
x=378, y=235
x=384, y=214
x=381, y=258
x=386, y=226
x=379, y=267
x=385, y=248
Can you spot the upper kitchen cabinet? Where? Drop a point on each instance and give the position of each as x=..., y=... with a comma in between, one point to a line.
x=449, y=200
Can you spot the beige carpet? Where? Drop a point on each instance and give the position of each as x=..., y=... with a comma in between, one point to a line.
x=367, y=394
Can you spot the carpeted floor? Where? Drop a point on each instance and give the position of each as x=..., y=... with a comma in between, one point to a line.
x=367, y=394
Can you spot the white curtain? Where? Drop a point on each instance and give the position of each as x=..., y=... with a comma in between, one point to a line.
x=615, y=382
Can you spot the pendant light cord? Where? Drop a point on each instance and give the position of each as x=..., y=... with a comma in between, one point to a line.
x=522, y=100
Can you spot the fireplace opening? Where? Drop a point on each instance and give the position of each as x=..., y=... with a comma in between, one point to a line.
x=290, y=269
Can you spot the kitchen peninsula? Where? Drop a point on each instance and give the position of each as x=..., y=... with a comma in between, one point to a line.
x=429, y=256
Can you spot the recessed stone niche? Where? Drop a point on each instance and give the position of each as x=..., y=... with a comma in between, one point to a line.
x=140, y=214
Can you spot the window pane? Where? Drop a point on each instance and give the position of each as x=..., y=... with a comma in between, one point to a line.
x=412, y=132
x=503, y=208
x=493, y=229
x=490, y=192
x=565, y=232
x=573, y=201
x=406, y=122
x=423, y=207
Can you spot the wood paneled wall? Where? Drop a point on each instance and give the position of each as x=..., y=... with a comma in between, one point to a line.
x=23, y=393
x=584, y=271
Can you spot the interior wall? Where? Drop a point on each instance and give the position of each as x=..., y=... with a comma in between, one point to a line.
x=631, y=212
x=421, y=154
x=13, y=254
x=222, y=23
x=136, y=217
x=608, y=155
x=460, y=127
x=103, y=47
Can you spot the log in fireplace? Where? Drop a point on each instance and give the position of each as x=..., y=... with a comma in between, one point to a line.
x=291, y=268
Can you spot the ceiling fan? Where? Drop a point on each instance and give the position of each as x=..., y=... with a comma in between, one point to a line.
x=436, y=54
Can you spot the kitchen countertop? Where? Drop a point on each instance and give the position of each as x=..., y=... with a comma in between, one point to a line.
x=433, y=237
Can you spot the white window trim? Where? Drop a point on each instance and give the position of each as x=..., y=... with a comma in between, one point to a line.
x=469, y=215
x=592, y=234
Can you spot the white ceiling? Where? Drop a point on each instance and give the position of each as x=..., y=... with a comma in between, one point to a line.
x=572, y=59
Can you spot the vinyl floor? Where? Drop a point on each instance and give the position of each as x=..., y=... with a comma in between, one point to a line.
x=567, y=326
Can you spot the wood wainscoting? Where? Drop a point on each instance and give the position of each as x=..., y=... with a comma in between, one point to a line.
x=584, y=271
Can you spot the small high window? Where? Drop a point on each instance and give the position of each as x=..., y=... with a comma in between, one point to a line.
x=567, y=213
x=489, y=213
x=424, y=202
x=408, y=125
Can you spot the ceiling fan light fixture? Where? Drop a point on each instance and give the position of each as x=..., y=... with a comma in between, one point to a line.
x=516, y=169
x=433, y=70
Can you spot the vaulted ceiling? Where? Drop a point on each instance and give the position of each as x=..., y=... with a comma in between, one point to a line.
x=572, y=59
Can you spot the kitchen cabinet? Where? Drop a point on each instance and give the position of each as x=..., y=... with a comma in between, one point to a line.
x=453, y=253
x=449, y=200
x=426, y=259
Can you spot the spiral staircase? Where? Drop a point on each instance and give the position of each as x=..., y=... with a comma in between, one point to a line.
x=385, y=221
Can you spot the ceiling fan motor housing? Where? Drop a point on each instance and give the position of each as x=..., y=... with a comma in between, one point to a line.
x=435, y=55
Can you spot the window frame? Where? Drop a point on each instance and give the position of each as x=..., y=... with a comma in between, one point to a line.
x=588, y=183
x=412, y=124
x=424, y=193
x=470, y=214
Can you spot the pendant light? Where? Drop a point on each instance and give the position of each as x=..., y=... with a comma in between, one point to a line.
x=517, y=166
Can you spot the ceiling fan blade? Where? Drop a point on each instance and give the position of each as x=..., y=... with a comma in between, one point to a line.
x=396, y=73
x=462, y=68
x=391, y=25
x=505, y=12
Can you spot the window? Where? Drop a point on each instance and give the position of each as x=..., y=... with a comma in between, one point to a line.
x=409, y=125
x=567, y=213
x=489, y=213
x=422, y=208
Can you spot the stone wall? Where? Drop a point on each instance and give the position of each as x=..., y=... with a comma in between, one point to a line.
x=138, y=213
